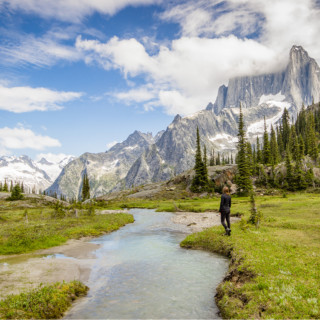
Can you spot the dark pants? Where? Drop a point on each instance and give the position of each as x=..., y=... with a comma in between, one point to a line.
x=225, y=216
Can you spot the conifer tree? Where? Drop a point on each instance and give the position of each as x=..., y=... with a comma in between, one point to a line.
x=85, y=188
x=243, y=180
x=16, y=193
x=274, y=148
x=0, y=186
x=250, y=157
x=200, y=179
x=311, y=138
x=212, y=159
x=289, y=176
x=218, y=161
x=266, y=146
x=259, y=153
x=5, y=186
x=22, y=187
x=205, y=165
x=11, y=186
x=285, y=128
x=280, y=143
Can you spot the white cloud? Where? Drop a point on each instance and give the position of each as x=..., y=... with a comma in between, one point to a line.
x=188, y=73
x=26, y=99
x=72, y=10
x=214, y=47
x=141, y=94
x=42, y=51
x=22, y=138
x=111, y=144
x=52, y=157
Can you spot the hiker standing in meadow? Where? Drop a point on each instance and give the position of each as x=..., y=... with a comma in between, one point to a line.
x=224, y=210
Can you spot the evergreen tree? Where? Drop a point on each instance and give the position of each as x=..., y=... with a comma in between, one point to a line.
x=250, y=157
x=16, y=193
x=85, y=188
x=243, y=180
x=212, y=160
x=285, y=128
x=311, y=138
x=259, y=153
x=22, y=187
x=11, y=186
x=266, y=146
x=274, y=148
x=231, y=160
x=289, y=176
x=205, y=166
x=5, y=186
x=254, y=161
x=280, y=143
x=218, y=161
x=0, y=186
x=200, y=180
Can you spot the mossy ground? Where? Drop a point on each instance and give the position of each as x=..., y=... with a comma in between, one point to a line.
x=274, y=270
x=44, y=302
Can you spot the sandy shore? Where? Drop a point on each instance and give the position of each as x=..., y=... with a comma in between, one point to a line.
x=198, y=221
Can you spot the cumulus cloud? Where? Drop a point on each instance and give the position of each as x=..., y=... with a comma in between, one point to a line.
x=219, y=41
x=72, y=10
x=26, y=99
x=22, y=138
x=187, y=73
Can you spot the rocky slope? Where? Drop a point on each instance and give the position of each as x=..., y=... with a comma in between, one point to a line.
x=104, y=169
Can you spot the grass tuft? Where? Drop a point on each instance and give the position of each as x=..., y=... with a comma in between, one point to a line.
x=44, y=302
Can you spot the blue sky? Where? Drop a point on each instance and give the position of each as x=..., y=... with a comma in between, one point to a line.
x=77, y=76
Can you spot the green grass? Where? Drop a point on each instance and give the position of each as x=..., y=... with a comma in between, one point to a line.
x=44, y=302
x=41, y=230
x=274, y=270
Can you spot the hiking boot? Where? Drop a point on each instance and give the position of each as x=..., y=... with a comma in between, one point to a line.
x=229, y=232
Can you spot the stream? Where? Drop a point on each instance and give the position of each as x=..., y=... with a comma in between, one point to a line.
x=141, y=273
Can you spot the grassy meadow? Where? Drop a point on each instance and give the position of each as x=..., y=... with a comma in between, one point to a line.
x=275, y=269
x=30, y=224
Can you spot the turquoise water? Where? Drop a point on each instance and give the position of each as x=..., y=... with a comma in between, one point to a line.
x=141, y=273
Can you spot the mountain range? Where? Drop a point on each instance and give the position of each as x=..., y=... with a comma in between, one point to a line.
x=35, y=175
x=142, y=158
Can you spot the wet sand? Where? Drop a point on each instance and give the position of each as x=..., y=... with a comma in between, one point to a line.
x=26, y=271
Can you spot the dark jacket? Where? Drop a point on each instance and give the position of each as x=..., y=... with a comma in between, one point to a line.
x=225, y=203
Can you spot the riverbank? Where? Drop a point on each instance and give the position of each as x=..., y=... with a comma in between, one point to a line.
x=274, y=270
x=199, y=221
x=23, y=272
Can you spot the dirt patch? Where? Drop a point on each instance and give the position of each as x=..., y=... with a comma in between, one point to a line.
x=199, y=221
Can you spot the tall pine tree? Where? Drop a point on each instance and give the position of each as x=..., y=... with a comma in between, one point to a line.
x=266, y=146
x=85, y=188
x=243, y=179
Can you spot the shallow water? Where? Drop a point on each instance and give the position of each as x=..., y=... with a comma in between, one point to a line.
x=141, y=272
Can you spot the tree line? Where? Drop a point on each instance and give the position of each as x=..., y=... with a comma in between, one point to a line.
x=295, y=146
x=290, y=146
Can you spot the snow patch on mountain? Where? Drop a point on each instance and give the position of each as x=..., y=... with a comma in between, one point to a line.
x=35, y=175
